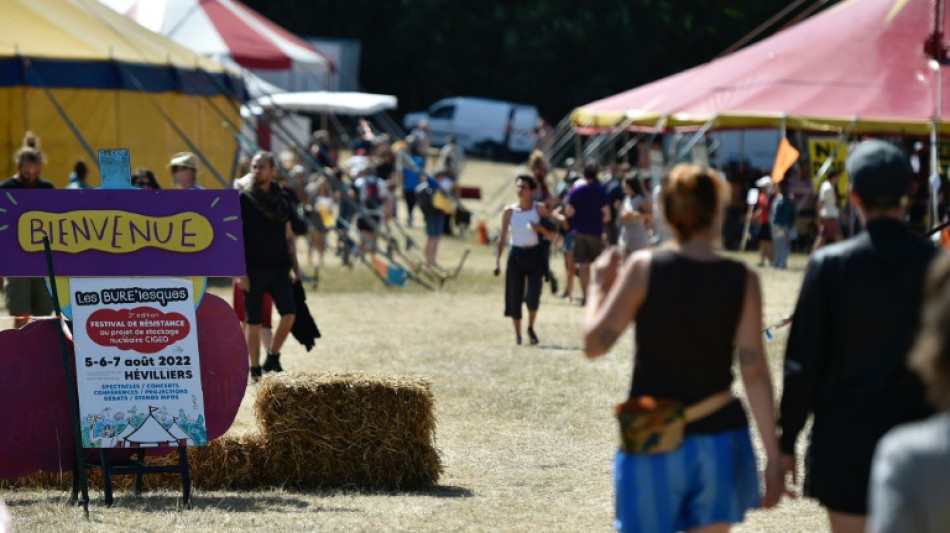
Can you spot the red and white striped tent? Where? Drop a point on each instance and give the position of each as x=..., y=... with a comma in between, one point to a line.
x=234, y=34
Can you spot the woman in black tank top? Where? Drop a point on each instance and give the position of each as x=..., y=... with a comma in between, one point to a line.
x=692, y=310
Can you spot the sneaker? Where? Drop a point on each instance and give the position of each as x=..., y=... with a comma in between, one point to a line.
x=272, y=363
x=255, y=374
x=553, y=284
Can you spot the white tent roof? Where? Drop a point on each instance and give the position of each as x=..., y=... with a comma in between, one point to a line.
x=339, y=103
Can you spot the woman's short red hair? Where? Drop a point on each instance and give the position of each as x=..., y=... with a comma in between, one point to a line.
x=691, y=196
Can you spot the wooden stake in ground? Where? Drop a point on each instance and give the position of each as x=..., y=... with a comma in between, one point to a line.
x=751, y=199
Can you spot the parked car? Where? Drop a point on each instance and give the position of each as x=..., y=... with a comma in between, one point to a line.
x=490, y=128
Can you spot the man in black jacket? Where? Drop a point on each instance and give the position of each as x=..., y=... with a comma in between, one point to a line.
x=270, y=253
x=855, y=321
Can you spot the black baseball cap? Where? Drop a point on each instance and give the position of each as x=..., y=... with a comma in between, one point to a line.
x=880, y=173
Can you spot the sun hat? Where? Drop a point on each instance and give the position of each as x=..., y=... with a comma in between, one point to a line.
x=184, y=159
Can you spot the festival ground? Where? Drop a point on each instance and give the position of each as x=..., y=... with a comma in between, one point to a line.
x=526, y=433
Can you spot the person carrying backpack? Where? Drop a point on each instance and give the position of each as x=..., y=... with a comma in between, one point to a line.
x=372, y=195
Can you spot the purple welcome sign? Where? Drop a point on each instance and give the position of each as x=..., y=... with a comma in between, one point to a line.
x=113, y=232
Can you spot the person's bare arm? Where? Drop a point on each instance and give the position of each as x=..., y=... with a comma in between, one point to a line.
x=502, y=238
x=758, y=385
x=614, y=296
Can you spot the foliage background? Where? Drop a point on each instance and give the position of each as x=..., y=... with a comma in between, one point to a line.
x=556, y=54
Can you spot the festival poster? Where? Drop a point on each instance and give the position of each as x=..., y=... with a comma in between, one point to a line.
x=137, y=368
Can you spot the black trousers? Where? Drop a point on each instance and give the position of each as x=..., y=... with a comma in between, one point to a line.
x=522, y=280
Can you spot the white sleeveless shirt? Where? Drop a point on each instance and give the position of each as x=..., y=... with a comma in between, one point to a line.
x=522, y=235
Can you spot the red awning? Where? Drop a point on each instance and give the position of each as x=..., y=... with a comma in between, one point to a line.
x=861, y=63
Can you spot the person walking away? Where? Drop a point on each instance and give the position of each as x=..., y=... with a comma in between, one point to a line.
x=270, y=251
x=27, y=297
x=322, y=209
x=520, y=226
x=829, y=226
x=588, y=211
x=635, y=214
x=433, y=217
x=782, y=220
x=373, y=197
x=412, y=171
x=853, y=326
x=910, y=472
x=568, y=180
x=694, y=311
x=761, y=214
x=613, y=185
x=538, y=166
x=421, y=143
x=452, y=158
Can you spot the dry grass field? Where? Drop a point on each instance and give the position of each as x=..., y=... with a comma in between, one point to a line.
x=526, y=433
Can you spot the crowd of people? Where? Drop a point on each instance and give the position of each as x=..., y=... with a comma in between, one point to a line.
x=846, y=365
x=866, y=304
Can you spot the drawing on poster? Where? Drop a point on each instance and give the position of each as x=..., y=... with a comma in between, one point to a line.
x=134, y=429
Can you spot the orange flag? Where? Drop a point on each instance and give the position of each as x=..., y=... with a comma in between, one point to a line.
x=784, y=159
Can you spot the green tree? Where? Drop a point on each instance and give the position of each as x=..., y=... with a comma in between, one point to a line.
x=554, y=54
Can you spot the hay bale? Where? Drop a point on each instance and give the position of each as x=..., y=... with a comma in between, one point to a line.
x=330, y=430
x=318, y=430
x=230, y=462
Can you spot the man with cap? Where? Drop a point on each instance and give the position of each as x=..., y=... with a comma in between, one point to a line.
x=184, y=167
x=855, y=321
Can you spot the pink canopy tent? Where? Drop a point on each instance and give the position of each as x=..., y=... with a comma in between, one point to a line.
x=864, y=66
x=234, y=34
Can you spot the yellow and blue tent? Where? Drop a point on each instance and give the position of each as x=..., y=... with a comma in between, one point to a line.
x=83, y=77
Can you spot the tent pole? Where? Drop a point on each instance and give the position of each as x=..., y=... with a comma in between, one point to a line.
x=168, y=120
x=934, y=181
x=695, y=139
x=938, y=54
x=61, y=111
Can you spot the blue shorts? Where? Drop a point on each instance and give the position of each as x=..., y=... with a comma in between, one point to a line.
x=709, y=479
x=435, y=225
x=567, y=245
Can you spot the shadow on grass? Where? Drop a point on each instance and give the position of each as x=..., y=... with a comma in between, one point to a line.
x=444, y=491
x=557, y=347
x=238, y=503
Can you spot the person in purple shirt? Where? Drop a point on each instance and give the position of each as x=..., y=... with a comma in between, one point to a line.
x=588, y=209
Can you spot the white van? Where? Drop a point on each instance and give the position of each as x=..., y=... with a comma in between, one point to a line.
x=490, y=128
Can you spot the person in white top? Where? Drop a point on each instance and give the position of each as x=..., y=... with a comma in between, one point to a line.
x=829, y=229
x=521, y=222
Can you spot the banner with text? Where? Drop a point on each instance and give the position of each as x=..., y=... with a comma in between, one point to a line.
x=137, y=367
x=821, y=149
x=104, y=232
